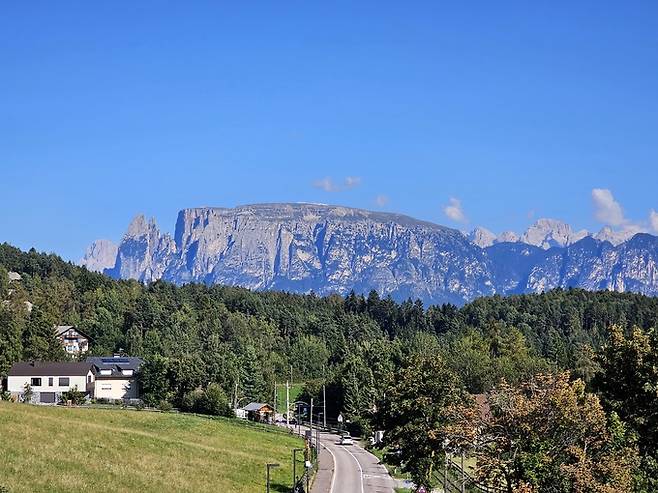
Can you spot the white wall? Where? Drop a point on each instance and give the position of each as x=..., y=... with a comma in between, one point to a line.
x=115, y=388
x=16, y=384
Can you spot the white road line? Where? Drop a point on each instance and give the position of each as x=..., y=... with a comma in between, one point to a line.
x=358, y=464
x=333, y=475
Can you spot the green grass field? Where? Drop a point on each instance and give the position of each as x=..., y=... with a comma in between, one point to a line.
x=58, y=449
x=295, y=390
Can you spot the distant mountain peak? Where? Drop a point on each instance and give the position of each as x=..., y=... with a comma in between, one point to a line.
x=616, y=237
x=140, y=226
x=335, y=249
x=547, y=233
x=482, y=237
x=100, y=255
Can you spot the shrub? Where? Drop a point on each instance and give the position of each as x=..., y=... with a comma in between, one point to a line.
x=215, y=402
x=165, y=406
x=192, y=401
x=211, y=401
x=74, y=396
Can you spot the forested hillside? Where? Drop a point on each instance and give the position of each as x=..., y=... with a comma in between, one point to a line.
x=200, y=339
x=230, y=335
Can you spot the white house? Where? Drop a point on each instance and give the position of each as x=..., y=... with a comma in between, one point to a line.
x=115, y=377
x=72, y=339
x=48, y=380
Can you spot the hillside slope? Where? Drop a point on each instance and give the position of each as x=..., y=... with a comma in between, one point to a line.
x=68, y=450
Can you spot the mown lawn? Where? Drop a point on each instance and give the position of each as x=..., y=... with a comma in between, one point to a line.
x=60, y=449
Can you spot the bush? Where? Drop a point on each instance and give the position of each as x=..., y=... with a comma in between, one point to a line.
x=215, y=402
x=211, y=401
x=192, y=401
x=165, y=406
x=74, y=396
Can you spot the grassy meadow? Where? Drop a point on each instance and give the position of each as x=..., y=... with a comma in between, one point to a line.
x=59, y=449
x=295, y=390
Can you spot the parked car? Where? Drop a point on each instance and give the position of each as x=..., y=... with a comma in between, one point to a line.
x=346, y=439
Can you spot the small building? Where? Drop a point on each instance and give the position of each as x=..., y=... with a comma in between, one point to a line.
x=260, y=412
x=115, y=377
x=48, y=380
x=73, y=340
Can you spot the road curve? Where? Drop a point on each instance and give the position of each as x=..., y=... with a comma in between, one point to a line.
x=349, y=469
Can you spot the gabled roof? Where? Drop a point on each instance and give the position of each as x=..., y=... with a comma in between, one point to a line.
x=115, y=363
x=256, y=406
x=49, y=368
x=61, y=329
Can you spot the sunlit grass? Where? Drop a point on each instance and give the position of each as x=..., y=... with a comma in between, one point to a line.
x=60, y=449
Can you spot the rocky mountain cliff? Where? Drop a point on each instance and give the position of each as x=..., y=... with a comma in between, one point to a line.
x=100, y=255
x=332, y=249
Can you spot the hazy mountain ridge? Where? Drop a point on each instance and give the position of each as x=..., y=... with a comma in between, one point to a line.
x=304, y=247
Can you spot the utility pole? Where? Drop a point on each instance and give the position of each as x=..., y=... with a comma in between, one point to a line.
x=324, y=404
x=287, y=404
x=311, y=418
x=275, y=400
x=235, y=399
x=324, y=398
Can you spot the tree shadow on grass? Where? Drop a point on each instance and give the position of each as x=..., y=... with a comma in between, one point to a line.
x=279, y=488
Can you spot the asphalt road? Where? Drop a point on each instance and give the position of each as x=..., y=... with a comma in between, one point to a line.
x=349, y=469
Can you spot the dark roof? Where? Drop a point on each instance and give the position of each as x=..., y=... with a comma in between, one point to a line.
x=115, y=363
x=48, y=368
x=256, y=406
x=61, y=329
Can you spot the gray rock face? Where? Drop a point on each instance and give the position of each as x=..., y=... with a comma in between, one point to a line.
x=331, y=249
x=547, y=233
x=327, y=249
x=100, y=255
x=507, y=237
x=482, y=237
x=144, y=253
x=615, y=237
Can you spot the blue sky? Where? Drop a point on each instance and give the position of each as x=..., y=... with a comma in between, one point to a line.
x=515, y=110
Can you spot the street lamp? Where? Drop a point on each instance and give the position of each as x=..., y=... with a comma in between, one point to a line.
x=270, y=466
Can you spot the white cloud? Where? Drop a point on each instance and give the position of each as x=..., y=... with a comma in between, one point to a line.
x=610, y=212
x=653, y=220
x=454, y=211
x=606, y=209
x=352, y=181
x=328, y=185
x=381, y=200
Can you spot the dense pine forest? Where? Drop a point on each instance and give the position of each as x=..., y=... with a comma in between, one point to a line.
x=200, y=339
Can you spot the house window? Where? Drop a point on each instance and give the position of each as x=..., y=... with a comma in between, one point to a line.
x=35, y=382
x=128, y=373
x=106, y=386
x=50, y=381
x=64, y=381
x=88, y=378
x=106, y=372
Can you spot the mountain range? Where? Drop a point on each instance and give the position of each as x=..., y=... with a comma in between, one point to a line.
x=333, y=249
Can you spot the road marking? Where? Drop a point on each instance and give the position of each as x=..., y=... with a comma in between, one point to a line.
x=333, y=475
x=358, y=464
